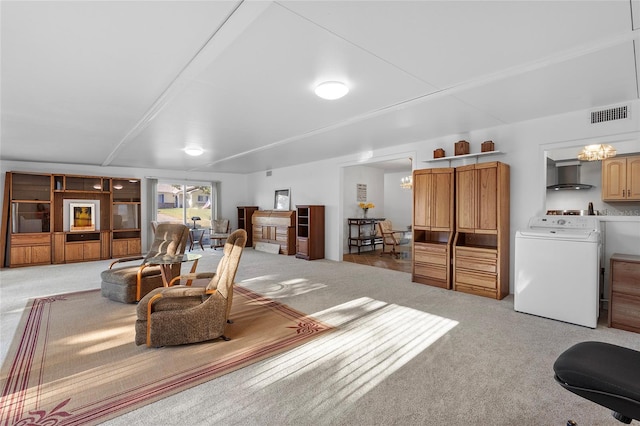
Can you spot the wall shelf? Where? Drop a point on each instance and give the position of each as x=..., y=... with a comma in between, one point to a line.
x=458, y=157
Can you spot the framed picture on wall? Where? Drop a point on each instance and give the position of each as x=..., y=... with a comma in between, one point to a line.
x=82, y=217
x=282, y=199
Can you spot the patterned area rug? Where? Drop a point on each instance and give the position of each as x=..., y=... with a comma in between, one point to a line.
x=73, y=360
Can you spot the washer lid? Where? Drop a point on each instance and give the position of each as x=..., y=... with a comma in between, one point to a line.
x=564, y=234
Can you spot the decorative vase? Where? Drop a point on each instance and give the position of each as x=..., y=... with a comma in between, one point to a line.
x=364, y=213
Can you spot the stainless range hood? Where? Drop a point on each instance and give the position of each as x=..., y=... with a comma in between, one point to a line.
x=568, y=176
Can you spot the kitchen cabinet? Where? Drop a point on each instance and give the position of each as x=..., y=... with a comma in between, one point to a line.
x=310, y=233
x=621, y=178
x=624, y=292
x=433, y=226
x=481, y=243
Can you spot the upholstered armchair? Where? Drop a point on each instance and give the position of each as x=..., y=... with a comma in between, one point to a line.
x=219, y=232
x=390, y=238
x=181, y=314
x=127, y=284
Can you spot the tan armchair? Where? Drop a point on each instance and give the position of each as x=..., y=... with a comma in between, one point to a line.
x=219, y=232
x=390, y=238
x=182, y=314
x=127, y=284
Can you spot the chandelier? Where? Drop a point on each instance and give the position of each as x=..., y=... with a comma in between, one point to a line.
x=596, y=152
x=406, y=182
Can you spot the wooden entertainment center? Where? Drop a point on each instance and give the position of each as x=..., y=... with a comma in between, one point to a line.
x=57, y=218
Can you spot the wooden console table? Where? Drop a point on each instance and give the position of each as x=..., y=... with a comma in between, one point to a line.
x=363, y=233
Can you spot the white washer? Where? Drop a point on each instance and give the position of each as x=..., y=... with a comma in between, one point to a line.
x=557, y=269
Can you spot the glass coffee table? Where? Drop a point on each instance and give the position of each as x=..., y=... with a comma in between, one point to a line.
x=165, y=261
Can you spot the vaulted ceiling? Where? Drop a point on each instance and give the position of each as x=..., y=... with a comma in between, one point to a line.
x=131, y=83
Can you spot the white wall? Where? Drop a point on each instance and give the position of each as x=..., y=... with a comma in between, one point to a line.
x=332, y=182
x=523, y=146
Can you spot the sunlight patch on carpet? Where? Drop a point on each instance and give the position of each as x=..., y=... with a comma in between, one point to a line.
x=372, y=340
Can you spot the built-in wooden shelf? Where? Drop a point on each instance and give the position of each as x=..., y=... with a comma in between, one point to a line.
x=458, y=157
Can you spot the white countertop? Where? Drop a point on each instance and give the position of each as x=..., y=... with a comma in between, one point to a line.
x=619, y=218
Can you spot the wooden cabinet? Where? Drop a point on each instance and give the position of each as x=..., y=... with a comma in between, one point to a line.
x=621, y=179
x=624, y=292
x=26, y=219
x=310, y=232
x=481, y=244
x=124, y=247
x=32, y=249
x=476, y=198
x=275, y=227
x=433, y=226
x=39, y=225
x=244, y=221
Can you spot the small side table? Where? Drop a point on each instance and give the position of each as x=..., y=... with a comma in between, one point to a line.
x=166, y=261
x=195, y=237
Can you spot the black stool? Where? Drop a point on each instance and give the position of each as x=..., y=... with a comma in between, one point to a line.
x=606, y=374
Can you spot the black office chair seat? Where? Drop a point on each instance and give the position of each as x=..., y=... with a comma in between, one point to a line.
x=606, y=374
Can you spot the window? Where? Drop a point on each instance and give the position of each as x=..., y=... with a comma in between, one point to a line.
x=179, y=202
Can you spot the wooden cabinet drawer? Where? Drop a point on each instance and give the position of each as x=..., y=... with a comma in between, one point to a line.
x=431, y=271
x=30, y=240
x=475, y=264
x=626, y=278
x=478, y=291
x=434, y=254
x=476, y=279
x=433, y=258
x=625, y=313
x=477, y=253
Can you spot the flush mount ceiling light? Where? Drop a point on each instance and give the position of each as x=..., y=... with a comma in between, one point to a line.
x=331, y=90
x=117, y=186
x=194, y=150
x=596, y=152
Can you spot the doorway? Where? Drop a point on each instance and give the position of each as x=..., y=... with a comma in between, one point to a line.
x=383, y=183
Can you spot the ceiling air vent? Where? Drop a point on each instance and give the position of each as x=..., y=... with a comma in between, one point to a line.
x=617, y=113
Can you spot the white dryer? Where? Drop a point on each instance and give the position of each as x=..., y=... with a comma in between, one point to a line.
x=557, y=269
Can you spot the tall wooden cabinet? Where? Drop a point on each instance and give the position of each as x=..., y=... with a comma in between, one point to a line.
x=310, y=232
x=26, y=219
x=481, y=244
x=39, y=227
x=244, y=221
x=275, y=227
x=433, y=226
x=621, y=178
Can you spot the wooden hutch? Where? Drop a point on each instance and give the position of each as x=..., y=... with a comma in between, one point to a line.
x=42, y=221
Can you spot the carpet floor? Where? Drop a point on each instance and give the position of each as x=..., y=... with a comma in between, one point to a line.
x=75, y=361
x=401, y=353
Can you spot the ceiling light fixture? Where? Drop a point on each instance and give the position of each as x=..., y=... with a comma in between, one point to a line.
x=194, y=150
x=117, y=186
x=596, y=152
x=331, y=90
